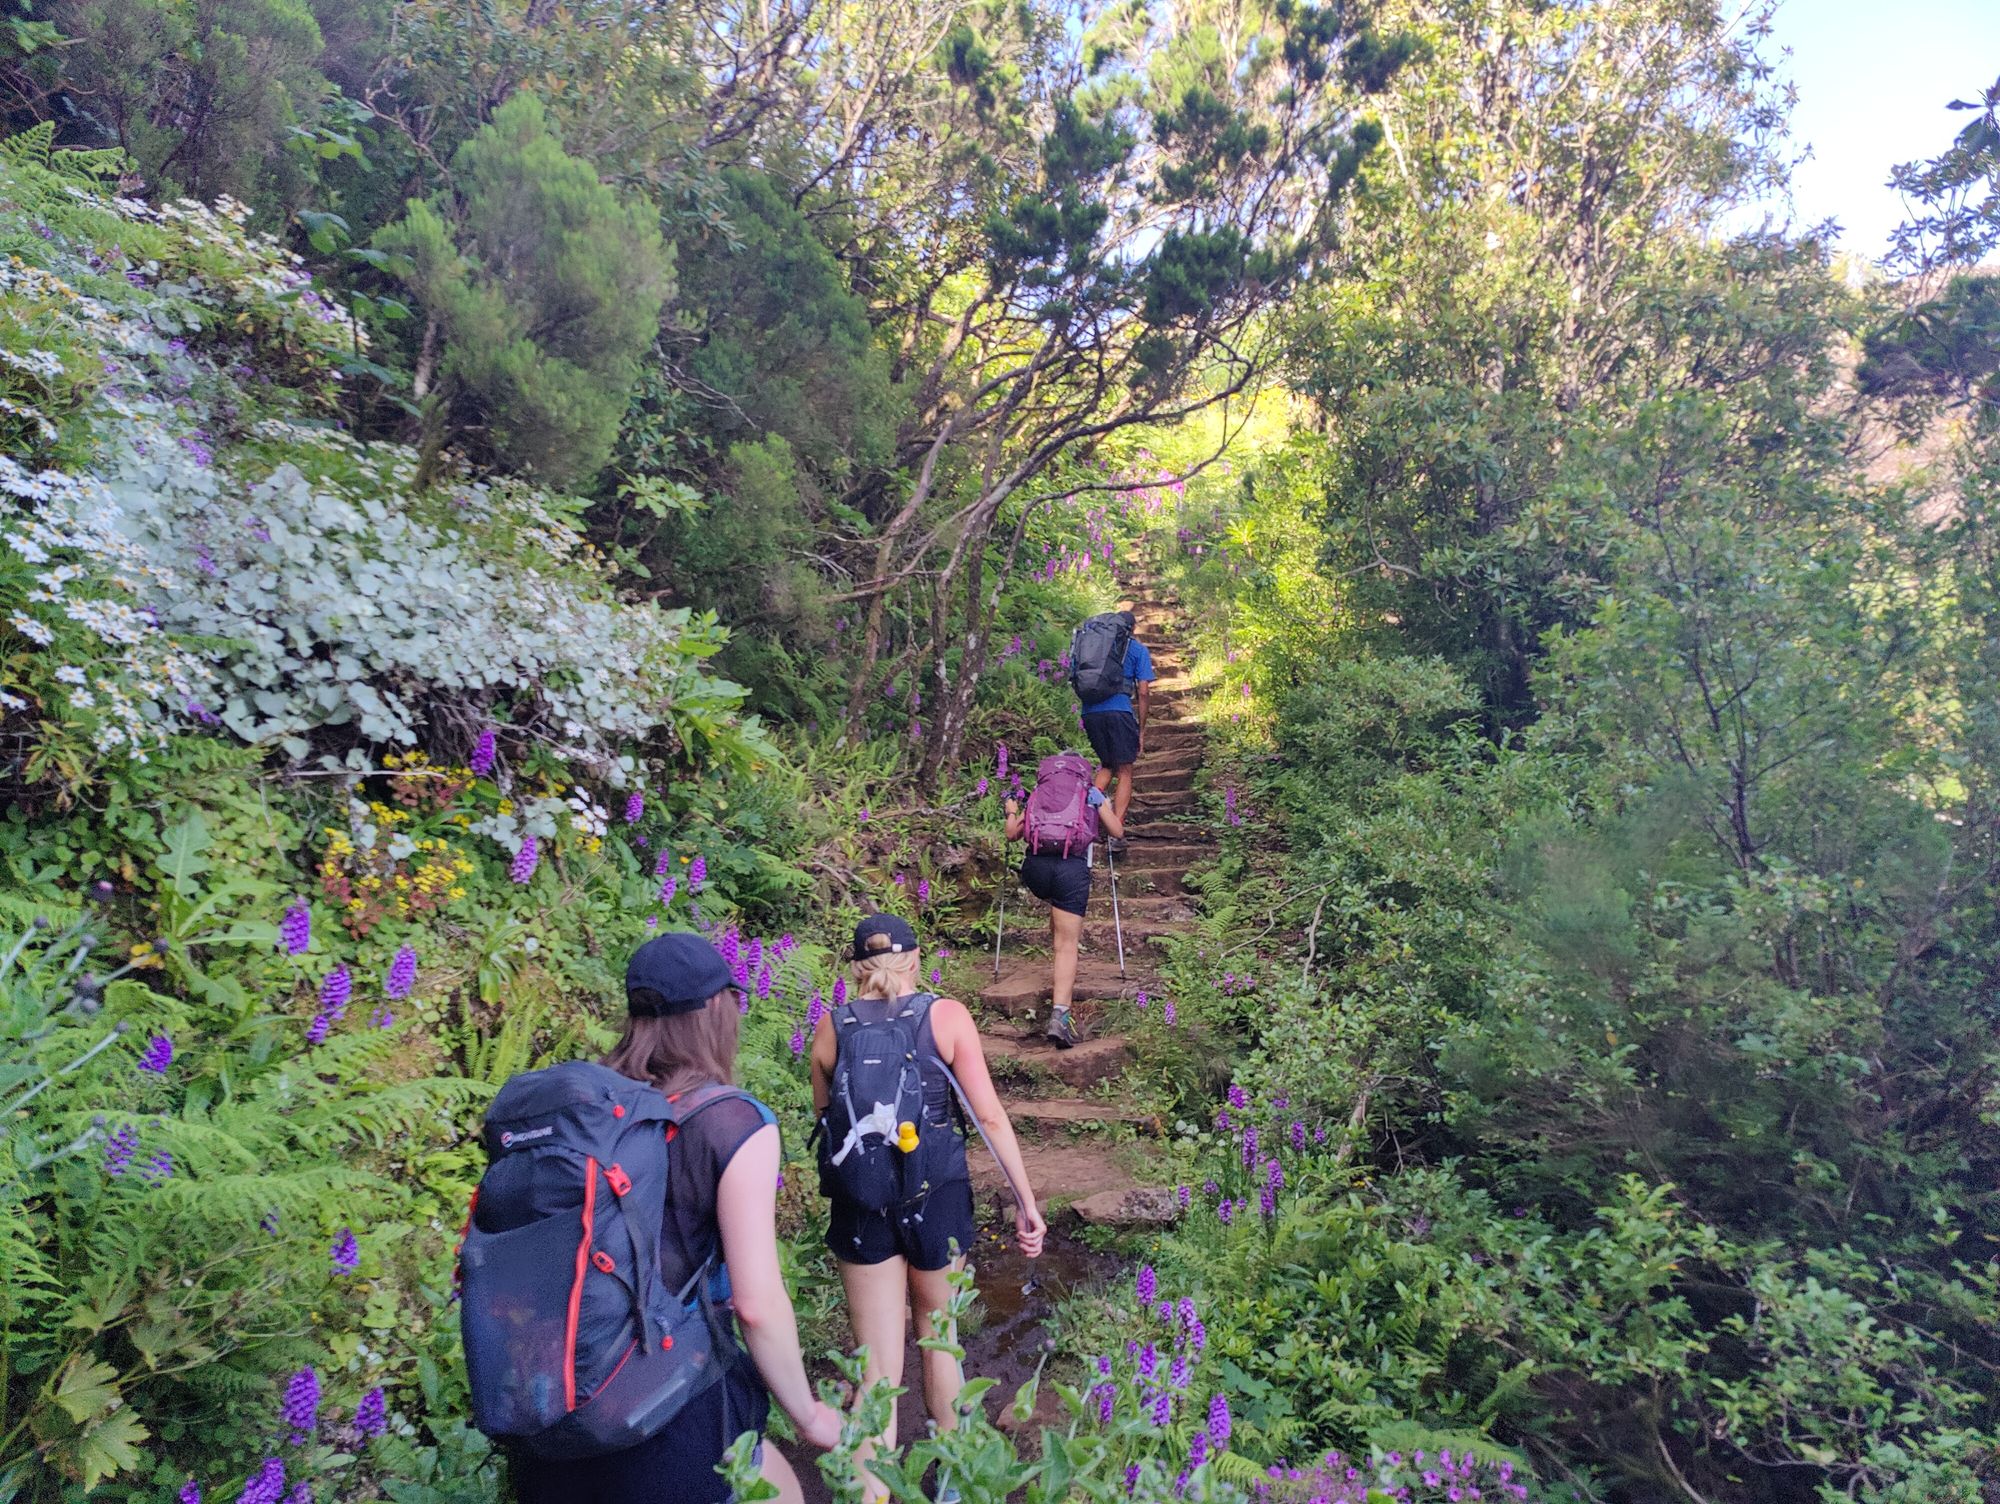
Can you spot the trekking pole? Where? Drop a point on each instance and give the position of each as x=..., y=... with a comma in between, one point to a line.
x=1000, y=926
x=1117, y=928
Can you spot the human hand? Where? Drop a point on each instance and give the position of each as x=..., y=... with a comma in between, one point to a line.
x=1029, y=1230
x=1095, y=798
x=821, y=1426
x=1013, y=807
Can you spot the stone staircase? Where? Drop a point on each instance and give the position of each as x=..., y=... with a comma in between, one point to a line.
x=1081, y=1135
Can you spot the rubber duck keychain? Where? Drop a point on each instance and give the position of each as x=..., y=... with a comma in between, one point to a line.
x=906, y=1136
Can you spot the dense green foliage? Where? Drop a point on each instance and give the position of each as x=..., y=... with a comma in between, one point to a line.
x=1586, y=1054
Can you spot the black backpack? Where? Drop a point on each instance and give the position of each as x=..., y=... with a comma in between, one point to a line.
x=1097, y=658
x=574, y=1346
x=876, y=1088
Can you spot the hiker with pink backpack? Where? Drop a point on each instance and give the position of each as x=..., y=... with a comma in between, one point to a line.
x=1065, y=817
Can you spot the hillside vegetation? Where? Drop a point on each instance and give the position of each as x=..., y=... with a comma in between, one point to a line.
x=481, y=485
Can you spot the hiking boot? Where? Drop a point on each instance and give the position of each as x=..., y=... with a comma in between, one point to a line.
x=1062, y=1029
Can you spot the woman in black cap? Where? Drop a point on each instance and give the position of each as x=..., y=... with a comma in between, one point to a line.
x=723, y=1196
x=904, y=1255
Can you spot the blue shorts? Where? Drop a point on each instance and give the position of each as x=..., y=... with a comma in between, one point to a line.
x=1114, y=737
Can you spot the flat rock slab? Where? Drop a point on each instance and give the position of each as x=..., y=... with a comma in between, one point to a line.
x=1084, y=1064
x=1139, y=1206
x=1060, y=1173
x=1081, y=1112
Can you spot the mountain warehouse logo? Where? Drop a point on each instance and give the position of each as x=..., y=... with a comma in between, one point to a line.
x=526, y=1135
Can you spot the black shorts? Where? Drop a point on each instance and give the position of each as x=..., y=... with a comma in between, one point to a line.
x=922, y=1232
x=1061, y=882
x=1114, y=737
x=675, y=1467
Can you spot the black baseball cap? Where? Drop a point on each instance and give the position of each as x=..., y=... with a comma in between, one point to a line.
x=684, y=969
x=902, y=939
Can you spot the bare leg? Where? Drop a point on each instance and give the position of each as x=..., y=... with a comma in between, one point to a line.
x=876, y=1300
x=1122, y=800
x=778, y=1473
x=1101, y=779
x=1065, y=934
x=930, y=1291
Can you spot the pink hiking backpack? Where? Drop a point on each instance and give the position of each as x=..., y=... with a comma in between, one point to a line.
x=1060, y=819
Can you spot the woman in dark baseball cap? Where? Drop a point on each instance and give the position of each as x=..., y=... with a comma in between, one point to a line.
x=904, y=1255
x=680, y=1035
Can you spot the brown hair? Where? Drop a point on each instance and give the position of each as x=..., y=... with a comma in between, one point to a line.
x=675, y=1051
x=886, y=973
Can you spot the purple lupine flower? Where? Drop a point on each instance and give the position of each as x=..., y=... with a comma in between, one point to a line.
x=1184, y=1196
x=1149, y=1361
x=816, y=1011
x=1267, y=1203
x=798, y=1043
x=979, y=788
x=1222, y=1120
x=1181, y=1372
x=346, y=1252
x=301, y=1493
x=1163, y=1410
x=1218, y=1421
x=1225, y=1212
x=525, y=860
x=1143, y=1000
x=1167, y=1012
x=665, y=861
x=763, y=983
x=1147, y=1285
x=1238, y=1098
x=485, y=752
x=1185, y=1310
x=1197, y=1450
x=317, y=1030
x=1249, y=1146
x=1107, y=1397
x=118, y=1150
x=266, y=1485
x=1319, y=1134
x=335, y=988
x=381, y=1018
x=295, y=930
x=1103, y=1366
x=1000, y=749
x=371, y=1416
x=862, y=818
x=268, y=1223
x=403, y=970
x=923, y=890
x=754, y=956
x=158, y=1055
x=158, y=1170
x=669, y=888
x=1197, y=1335
x=1131, y=1479
x=937, y=976
x=1298, y=1136
x=697, y=873
x=635, y=808
x=300, y=1410
x=190, y=1493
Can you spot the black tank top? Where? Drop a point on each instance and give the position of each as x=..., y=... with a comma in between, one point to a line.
x=940, y=1108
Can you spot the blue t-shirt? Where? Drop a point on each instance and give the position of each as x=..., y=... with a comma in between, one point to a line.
x=1138, y=670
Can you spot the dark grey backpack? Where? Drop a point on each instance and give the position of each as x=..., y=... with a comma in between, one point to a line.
x=1097, y=658
x=877, y=1085
x=574, y=1346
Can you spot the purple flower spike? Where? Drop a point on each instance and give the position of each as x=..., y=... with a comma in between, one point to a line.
x=346, y=1252
x=660, y=867
x=158, y=1055
x=301, y=1493
x=295, y=930
x=1167, y=1012
x=266, y=1485
x=334, y=991
x=1147, y=1285
x=403, y=972
x=301, y=1406
x=371, y=1416
x=381, y=1018
x=158, y=1170
x=484, y=754
x=190, y=1493
x=525, y=860
x=798, y=1043
x=1238, y=1098
x=669, y=888
x=1218, y=1421
x=119, y=1149
x=924, y=890
x=697, y=873
x=635, y=809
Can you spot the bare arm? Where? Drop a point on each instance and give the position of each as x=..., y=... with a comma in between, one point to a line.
x=1017, y=822
x=1145, y=703
x=1108, y=818
x=746, y=1208
x=958, y=1046
x=823, y=1052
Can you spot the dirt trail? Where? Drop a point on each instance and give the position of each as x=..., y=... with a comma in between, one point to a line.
x=1082, y=1135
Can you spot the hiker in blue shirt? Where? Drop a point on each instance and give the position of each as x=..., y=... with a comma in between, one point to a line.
x=1116, y=726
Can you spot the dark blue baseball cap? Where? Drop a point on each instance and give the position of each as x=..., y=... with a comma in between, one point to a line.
x=883, y=935
x=684, y=969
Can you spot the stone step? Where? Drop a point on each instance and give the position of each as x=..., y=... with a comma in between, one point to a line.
x=1151, y=780
x=1023, y=985
x=1136, y=1206
x=1059, y=1173
x=1083, y=1065
x=1054, y=1116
